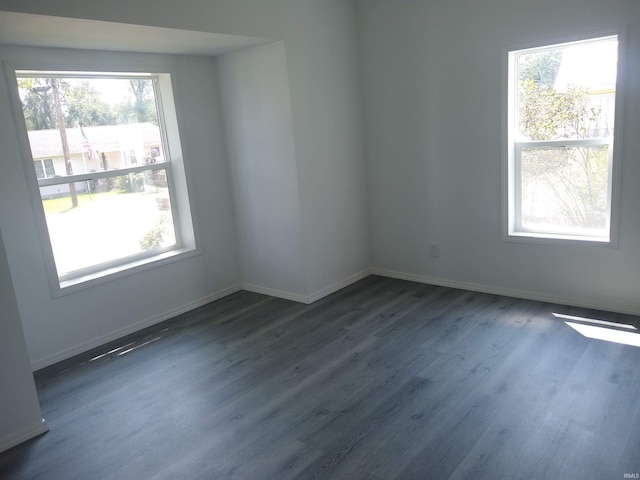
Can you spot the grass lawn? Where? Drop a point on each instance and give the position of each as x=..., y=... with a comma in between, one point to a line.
x=63, y=204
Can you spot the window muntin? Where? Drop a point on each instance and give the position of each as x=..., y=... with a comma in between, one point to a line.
x=109, y=203
x=561, y=124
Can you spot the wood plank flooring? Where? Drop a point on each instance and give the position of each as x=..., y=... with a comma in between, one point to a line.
x=386, y=379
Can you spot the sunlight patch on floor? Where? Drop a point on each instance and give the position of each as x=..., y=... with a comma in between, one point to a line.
x=610, y=332
x=592, y=320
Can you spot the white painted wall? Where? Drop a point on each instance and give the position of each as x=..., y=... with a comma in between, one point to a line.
x=320, y=39
x=259, y=129
x=433, y=86
x=326, y=101
x=323, y=77
x=59, y=327
x=20, y=416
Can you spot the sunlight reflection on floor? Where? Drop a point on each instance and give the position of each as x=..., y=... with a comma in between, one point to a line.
x=610, y=332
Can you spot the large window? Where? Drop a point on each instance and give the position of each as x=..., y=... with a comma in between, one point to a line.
x=560, y=140
x=108, y=187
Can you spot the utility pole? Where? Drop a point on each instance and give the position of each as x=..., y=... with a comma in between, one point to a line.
x=65, y=144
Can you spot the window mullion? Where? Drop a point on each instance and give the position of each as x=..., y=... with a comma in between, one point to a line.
x=582, y=142
x=83, y=177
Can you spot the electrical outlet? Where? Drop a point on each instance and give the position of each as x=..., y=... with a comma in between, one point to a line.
x=435, y=250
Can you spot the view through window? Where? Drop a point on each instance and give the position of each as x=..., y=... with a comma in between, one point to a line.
x=561, y=133
x=103, y=175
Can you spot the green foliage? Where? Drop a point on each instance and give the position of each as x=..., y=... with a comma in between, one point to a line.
x=84, y=106
x=563, y=186
x=81, y=104
x=38, y=105
x=153, y=238
x=134, y=182
x=546, y=114
x=143, y=108
x=541, y=68
x=572, y=181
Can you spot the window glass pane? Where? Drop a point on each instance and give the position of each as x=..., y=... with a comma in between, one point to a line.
x=568, y=91
x=115, y=218
x=37, y=164
x=106, y=123
x=565, y=189
x=48, y=168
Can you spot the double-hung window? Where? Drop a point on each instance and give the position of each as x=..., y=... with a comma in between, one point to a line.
x=112, y=195
x=561, y=109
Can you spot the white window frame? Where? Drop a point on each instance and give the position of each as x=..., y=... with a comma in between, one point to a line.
x=132, y=157
x=42, y=161
x=513, y=230
x=174, y=165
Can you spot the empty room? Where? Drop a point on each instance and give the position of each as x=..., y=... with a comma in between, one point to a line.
x=303, y=239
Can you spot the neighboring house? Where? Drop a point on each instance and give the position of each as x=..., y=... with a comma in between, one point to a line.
x=113, y=147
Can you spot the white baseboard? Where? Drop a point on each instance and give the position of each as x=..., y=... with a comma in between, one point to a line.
x=338, y=285
x=96, y=342
x=134, y=327
x=272, y=292
x=507, y=292
x=23, y=435
x=307, y=299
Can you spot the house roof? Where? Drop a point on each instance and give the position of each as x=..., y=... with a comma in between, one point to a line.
x=109, y=138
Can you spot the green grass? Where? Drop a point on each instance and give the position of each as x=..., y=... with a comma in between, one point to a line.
x=63, y=204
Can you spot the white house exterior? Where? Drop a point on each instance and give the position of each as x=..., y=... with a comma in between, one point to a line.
x=113, y=146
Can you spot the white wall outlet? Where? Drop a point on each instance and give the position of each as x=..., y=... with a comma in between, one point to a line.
x=435, y=250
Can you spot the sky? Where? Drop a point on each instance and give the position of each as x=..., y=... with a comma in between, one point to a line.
x=592, y=65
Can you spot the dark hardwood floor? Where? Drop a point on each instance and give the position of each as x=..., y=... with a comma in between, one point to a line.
x=385, y=379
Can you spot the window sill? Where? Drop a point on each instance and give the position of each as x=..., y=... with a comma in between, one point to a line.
x=557, y=239
x=85, y=281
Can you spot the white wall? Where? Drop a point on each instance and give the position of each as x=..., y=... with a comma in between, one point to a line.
x=326, y=101
x=323, y=76
x=58, y=327
x=433, y=85
x=324, y=80
x=259, y=129
x=20, y=416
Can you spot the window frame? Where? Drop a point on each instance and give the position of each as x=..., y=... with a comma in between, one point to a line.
x=174, y=165
x=41, y=162
x=513, y=229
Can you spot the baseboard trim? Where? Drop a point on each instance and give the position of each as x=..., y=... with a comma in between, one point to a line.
x=129, y=329
x=338, y=285
x=23, y=435
x=307, y=299
x=507, y=292
x=272, y=292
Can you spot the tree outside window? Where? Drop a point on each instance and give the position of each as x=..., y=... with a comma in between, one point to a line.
x=562, y=130
x=104, y=208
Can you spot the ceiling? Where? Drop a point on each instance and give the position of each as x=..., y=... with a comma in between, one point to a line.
x=43, y=30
